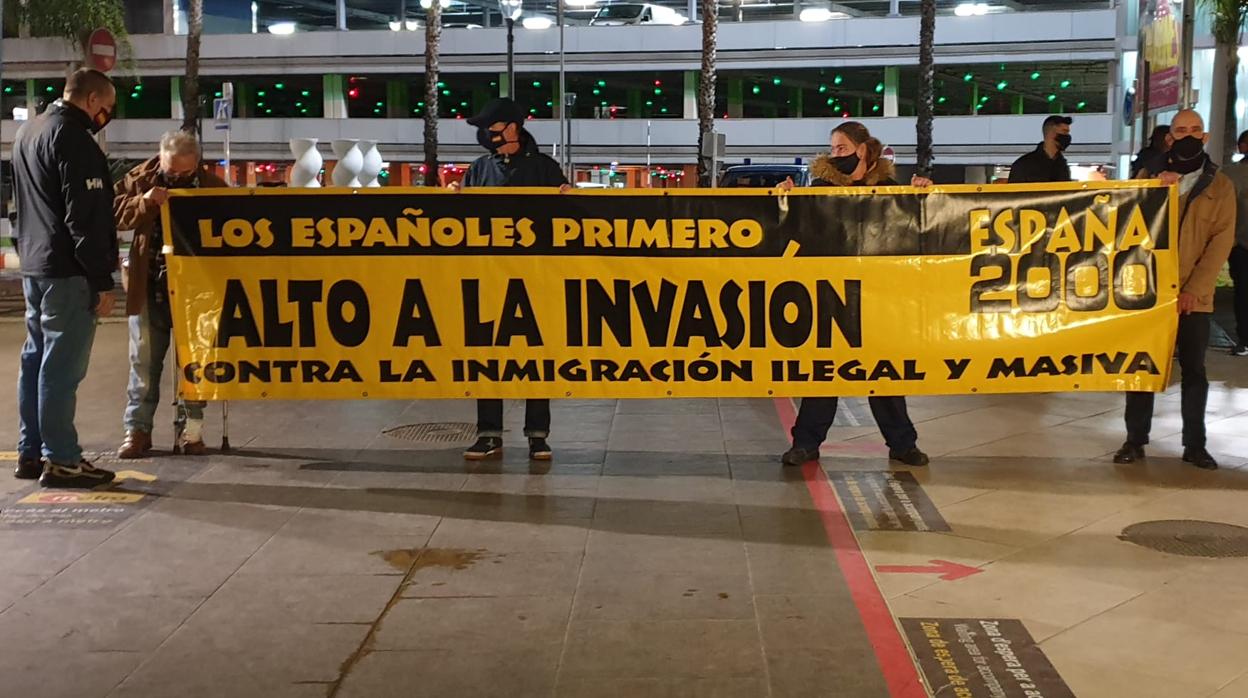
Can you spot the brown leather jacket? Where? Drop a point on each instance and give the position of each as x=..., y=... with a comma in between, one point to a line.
x=132, y=212
x=1206, y=236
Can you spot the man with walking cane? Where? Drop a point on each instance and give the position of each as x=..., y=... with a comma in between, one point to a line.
x=136, y=206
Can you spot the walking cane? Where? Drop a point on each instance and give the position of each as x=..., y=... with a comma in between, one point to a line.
x=225, y=426
x=179, y=415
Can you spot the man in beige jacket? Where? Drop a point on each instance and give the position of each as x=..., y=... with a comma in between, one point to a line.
x=1206, y=234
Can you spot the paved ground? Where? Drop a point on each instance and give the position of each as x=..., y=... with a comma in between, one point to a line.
x=664, y=553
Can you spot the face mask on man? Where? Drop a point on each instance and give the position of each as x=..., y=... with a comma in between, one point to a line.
x=100, y=120
x=491, y=140
x=1187, y=155
x=179, y=180
x=1063, y=141
x=846, y=164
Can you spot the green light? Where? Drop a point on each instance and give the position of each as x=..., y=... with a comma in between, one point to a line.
x=537, y=83
x=1081, y=105
x=259, y=104
x=756, y=89
x=968, y=77
x=138, y=88
x=1052, y=98
x=446, y=92
x=134, y=95
x=603, y=104
x=830, y=100
x=454, y=111
x=550, y=103
x=775, y=81
x=218, y=94
x=1035, y=75
x=51, y=89
x=298, y=104
x=649, y=103
x=381, y=104
x=602, y=83
x=597, y=91
x=823, y=88
x=442, y=84
x=879, y=87
x=838, y=79
x=260, y=93
x=532, y=111
x=420, y=104
x=376, y=111
x=941, y=100
x=658, y=90
x=1002, y=85
x=663, y=110
x=280, y=86
x=464, y=104
x=875, y=108
x=8, y=90
x=1065, y=84
x=306, y=93
x=268, y=111
x=303, y=111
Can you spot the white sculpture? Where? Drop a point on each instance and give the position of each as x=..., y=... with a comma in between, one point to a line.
x=308, y=162
x=372, y=164
x=350, y=162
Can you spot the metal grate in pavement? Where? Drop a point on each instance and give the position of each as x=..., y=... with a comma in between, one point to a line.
x=1189, y=537
x=434, y=432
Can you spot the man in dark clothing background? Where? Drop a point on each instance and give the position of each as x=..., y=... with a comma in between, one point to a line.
x=67, y=242
x=513, y=161
x=1237, y=172
x=1046, y=163
x=1152, y=160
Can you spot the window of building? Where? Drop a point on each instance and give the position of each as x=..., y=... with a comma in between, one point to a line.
x=149, y=98
x=1012, y=88
x=640, y=95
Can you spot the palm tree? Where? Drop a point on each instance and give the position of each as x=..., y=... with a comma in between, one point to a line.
x=1229, y=17
x=923, y=124
x=433, y=41
x=706, y=89
x=190, y=85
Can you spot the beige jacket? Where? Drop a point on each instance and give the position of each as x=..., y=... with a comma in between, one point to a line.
x=1206, y=235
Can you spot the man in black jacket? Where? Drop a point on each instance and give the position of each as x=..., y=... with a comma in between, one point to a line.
x=513, y=161
x=68, y=246
x=1046, y=163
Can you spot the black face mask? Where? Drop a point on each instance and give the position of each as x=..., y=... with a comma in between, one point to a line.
x=100, y=120
x=1063, y=141
x=1187, y=155
x=846, y=164
x=491, y=140
x=180, y=182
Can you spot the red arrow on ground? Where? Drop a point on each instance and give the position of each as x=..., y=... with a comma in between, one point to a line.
x=948, y=571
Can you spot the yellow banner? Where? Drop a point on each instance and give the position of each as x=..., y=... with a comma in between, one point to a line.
x=396, y=293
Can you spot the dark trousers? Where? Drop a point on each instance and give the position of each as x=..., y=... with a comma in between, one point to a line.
x=1193, y=339
x=536, y=418
x=1239, y=276
x=817, y=414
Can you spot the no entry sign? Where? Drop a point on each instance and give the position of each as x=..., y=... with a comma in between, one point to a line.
x=102, y=50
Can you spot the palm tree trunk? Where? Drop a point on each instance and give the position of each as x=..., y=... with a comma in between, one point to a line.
x=433, y=41
x=706, y=89
x=190, y=85
x=923, y=124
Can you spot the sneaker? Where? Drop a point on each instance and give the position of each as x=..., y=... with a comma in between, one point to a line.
x=485, y=447
x=28, y=468
x=539, y=449
x=1129, y=453
x=799, y=456
x=1200, y=458
x=81, y=476
x=1239, y=350
x=912, y=457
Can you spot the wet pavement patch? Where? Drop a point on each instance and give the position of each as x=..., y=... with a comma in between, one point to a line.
x=886, y=501
x=982, y=658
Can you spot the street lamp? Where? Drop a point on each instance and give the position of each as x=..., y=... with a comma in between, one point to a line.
x=511, y=10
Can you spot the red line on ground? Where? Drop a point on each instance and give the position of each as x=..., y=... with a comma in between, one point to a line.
x=890, y=649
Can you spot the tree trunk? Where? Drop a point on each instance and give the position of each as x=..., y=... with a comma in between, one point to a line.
x=433, y=41
x=923, y=124
x=709, y=10
x=190, y=85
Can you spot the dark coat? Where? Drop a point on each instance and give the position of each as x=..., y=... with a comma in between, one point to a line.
x=527, y=168
x=64, y=194
x=1036, y=167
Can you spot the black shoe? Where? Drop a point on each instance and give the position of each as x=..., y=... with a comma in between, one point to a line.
x=539, y=449
x=1200, y=458
x=28, y=468
x=485, y=447
x=914, y=457
x=81, y=476
x=1239, y=350
x=1129, y=453
x=799, y=456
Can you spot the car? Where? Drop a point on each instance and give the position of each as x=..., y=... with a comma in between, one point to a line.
x=764, y=176
x=628, y=13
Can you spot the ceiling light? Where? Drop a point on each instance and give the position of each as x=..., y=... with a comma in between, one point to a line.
x=537, y=23
x=282, y=28
x=816, y=14
x=426, y=4
x=411, y=25
x=395, y=25
x=971, y=9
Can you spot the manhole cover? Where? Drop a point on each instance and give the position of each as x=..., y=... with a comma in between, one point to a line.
x=1190, y=538
x=434, y=432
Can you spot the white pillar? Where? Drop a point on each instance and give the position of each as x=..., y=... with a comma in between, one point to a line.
x=691, y=94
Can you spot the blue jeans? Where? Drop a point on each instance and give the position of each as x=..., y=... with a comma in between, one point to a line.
x=150, y=333
x=60, y=329
x=816, y=415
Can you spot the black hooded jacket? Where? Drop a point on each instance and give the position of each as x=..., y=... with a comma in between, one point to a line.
x=64, y=199
x=527, y=168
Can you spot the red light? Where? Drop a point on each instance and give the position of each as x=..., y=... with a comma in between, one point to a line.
x=423, y=169
x=658, y=83
x=353, y=92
